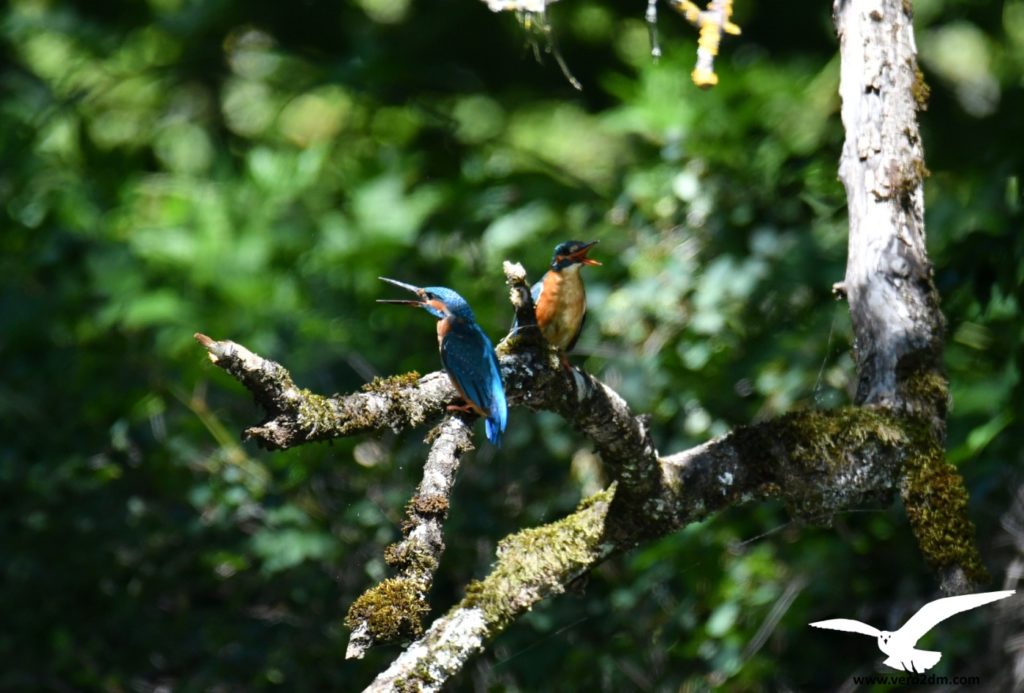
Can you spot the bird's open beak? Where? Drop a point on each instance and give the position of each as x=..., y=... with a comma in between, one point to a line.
x=581, y=254
x=409, y=287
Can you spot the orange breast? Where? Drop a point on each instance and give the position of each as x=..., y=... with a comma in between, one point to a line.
x=547, y=306
x=562, y=304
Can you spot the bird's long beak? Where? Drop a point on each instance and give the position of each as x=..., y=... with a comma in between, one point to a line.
x=581, y=254
x=409, y=287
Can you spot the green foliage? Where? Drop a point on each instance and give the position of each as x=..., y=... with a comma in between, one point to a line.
x=247, y=169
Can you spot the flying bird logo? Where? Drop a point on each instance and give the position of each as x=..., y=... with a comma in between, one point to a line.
x=899, y=645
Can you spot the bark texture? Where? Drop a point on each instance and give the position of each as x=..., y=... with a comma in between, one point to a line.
x=893, y=302
x=894, y=305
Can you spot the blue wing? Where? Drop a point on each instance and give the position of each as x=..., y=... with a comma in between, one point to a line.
x=535, y=292
x=468, y=356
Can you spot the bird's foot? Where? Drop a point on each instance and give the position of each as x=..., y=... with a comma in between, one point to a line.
x=464, y=407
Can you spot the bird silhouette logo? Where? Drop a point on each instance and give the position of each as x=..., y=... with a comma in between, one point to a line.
x=900, y=644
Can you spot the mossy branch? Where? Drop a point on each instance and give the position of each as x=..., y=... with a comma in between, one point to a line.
x=295, y=415
x=532, y=565
x=393, y=609
x=935, y=501
x=894, y=306
x=819, y=463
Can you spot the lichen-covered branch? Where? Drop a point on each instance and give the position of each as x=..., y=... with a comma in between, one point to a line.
x=893, y=301
x=532, y=565
x=394, y=608
x=295, y=415
x=894, y=305
x=818, y=463
x=821, y=462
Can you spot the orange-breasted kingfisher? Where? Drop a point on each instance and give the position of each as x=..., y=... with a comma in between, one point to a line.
x=466, y=354
x=559, y=298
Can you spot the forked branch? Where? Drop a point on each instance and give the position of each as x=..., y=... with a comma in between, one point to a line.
x=817, y=463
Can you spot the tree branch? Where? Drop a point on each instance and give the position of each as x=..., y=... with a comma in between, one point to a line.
x=394, y=608
x=818, y=463
x=893, y=301
x=532, y=564
x=295, y=415
x=894, y=305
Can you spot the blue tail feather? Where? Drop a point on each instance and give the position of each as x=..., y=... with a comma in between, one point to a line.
x=498, y=418
x=493, y=432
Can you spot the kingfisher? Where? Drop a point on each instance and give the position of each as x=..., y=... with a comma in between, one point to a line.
x=559, y=299
x=466, y=354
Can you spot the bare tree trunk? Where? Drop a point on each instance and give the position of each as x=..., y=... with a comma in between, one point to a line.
x=893, y=302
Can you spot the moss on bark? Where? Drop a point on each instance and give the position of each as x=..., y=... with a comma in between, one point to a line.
x=393, y=610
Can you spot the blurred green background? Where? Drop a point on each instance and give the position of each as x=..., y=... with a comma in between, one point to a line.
x=247, y=169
